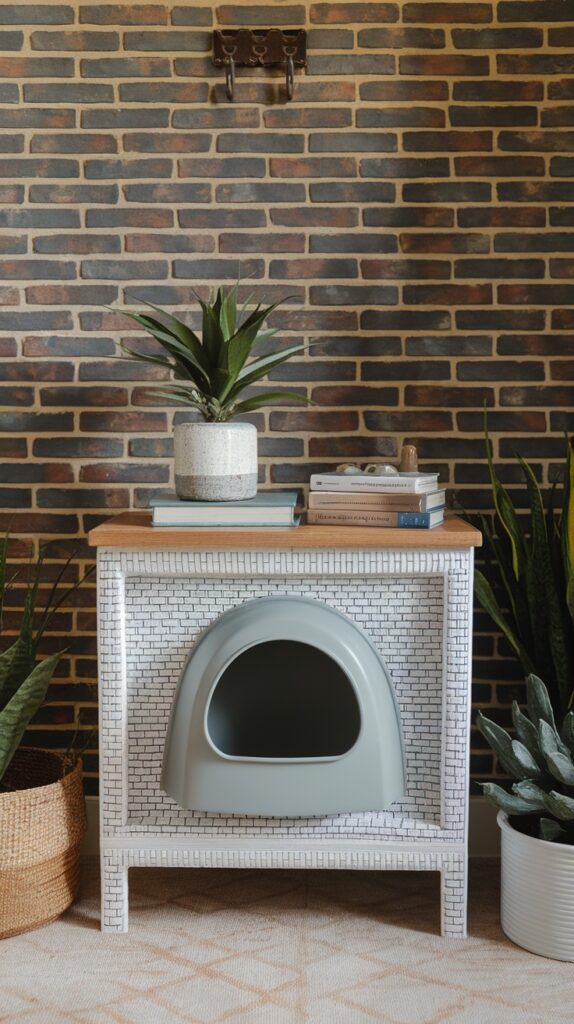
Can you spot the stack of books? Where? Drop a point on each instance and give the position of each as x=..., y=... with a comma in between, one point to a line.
x=407, y=500
x=266, y=509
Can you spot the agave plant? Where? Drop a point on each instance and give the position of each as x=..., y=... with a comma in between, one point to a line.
x=541, y=759
x=24, y=681
x=530, y=563
x=212, y=372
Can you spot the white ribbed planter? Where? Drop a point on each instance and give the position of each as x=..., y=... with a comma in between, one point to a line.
x=537, y=898
x=215, y=461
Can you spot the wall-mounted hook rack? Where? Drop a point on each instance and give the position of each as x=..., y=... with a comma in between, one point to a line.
x=274, y=47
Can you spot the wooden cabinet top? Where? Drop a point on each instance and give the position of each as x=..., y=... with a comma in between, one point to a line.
x=133, y=530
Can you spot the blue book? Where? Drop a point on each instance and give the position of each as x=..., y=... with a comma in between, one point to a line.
x=267, y=508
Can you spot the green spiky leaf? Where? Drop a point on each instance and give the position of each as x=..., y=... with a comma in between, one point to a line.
x=507, y=802
x=14, y=718
x=550, y=830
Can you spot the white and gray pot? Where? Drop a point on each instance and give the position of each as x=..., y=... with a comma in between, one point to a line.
x=215, y=461
x=537, y=898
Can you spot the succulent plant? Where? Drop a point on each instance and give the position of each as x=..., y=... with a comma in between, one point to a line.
x=527, y=586
x=540, y=759
x=211, y=372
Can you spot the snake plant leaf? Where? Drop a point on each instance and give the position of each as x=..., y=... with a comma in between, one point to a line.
x=551, y=830
x=567, y=529
x=508, y=802
x=259, y=368
x=505, y=510
x=527, y=732
x=182, y=331
x=212, y=335
x=549, y=740
x=567, y=731
x=502, y=744
x=268, y=396
x=228, y=311
x=538, y=701
x=485, y=595
x=528, y=765
x=560, y=805
x=529, y=791
x=561, y=767
x=15, y=716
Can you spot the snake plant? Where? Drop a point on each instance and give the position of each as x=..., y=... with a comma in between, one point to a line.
x=527, y=586
x=212, y=372
x=541, y=760
x=24, y=681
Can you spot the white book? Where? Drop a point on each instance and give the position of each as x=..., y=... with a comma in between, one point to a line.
x=409, y=483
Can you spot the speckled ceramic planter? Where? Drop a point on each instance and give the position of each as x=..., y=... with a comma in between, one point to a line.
x=215, y=461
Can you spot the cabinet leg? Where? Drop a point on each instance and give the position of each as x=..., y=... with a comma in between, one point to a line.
x=453, y=894
x=114, y=884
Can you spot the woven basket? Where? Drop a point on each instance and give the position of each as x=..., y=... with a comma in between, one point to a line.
x=41, y=828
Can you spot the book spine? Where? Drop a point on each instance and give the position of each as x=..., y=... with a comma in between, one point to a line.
x=402, y=520
x=372, y=485
x=356, y=501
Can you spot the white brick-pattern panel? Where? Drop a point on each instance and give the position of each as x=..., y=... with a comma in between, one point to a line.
x=414, y=605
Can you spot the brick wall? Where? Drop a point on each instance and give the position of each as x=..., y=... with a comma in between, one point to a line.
x=415, y=201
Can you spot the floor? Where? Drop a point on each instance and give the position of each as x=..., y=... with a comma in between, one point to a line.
x=280, y=947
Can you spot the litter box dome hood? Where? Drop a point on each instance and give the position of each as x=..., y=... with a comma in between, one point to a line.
x=284, y=708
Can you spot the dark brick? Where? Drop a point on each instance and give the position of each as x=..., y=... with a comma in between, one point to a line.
x=27, y=270
x=562, y=369
x=77, y=243
x=534, y=191
x=200, y=67
x=536, y=141
x=123, y=14
x=124, y=270
x=150, y=117
x=314, y=371
x=170, y=243
x=309, y=268
x=409, y=216
x=239, y=117
x=352, y=192
x=501, y=216
x=459, y=13
x=352, y=243
x=459, y=66
x=397, y=90
x=36, y=14
x=221, y=218
x=535, y=344
x=431, y=369
x=39, y=524
x=76, y=41
x=315, y=216
x=413, y=420
x=73, y=142
x=536, y=294
x=493, y=116
x=68, y=92
x=330, y=39
x=351, y=64
x=499, y=166
x=498, y=91
x=562, y=90
x=312, y=167
x=354, y=13
x=251, y=14
x=537, y=10
x=164, y=92
x=562, y=421
x=56, y=345
x=126, y=217
x=73, y=294
x=31, y=371
x=405, y=269
x=244, y=167
x=357, y=447
x=353, y=142
x=36, y=67
x=216, y=268
x=261, y=243
x=535, y=64
x=405, y=167
x=266, y=192
x=31, y=168
x=353, y=295
x=449, y=346
x=448, y=397
x=13, y=448
x=402, y=38
x=11, y=193
x=443, y=142
x=77, y=448
x=91, y=396
x=121, y=369
x=546, y=396
x=406, y=319
x=167, y=142
x=316, y=320
x=356, y=346
x=37, y=423
x=562, y=216
x=125, y=67
x=557, y=116
x=76, y=497
x=168, y=192
x=11, y=40
x=13, y=244
x=73, y=194
x=499, y=268
x=124, y=473
x=563, y=36
x=562, y=167
x=124, y=422
x=98, y=169
x=16, y=396
x=191, y=16
x=248, y=142
x=451, y=294
x=500, y=369
x=497, y=38
x=293, y=421
x=168, y=40
x=396, y=117
x=534, y=242
x=33, y=321
x=499, y=320
x=562, y=268
x=447, y=192
x=444, y=242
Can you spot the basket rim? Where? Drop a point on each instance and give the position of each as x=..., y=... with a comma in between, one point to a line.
x=46, y=792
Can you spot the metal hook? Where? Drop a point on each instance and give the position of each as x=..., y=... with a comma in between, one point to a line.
x=290, y=76
x=230, y=77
